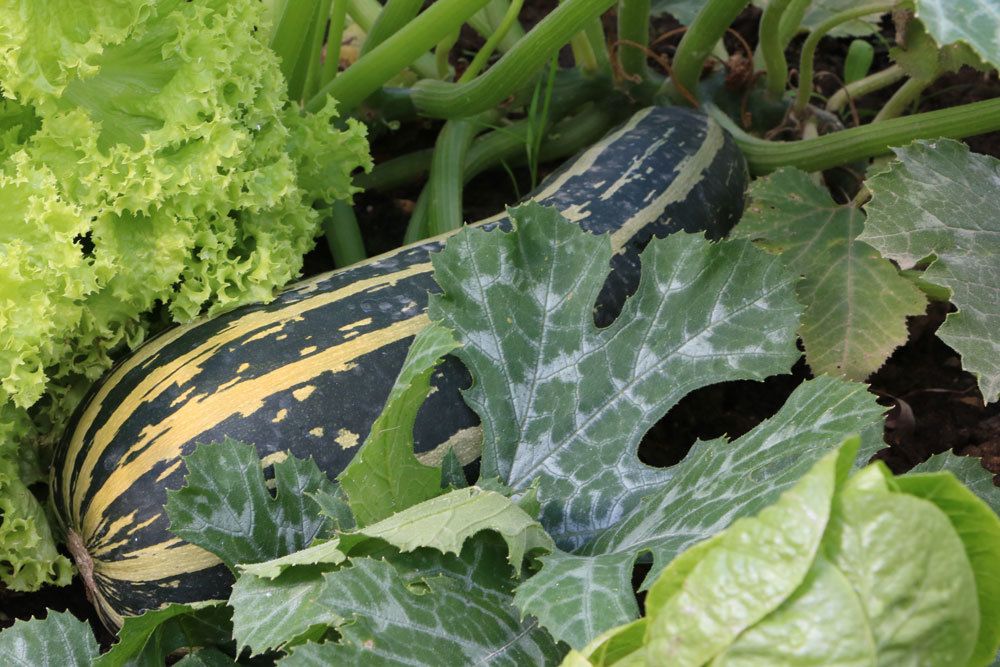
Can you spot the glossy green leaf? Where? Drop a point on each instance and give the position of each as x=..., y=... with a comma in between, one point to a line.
x=939, y=200
x=750, y=570
x=968, y=470
x=978, y=527
x=58, y=640
x=385, y=475
x=226, y=508
x=563, y=403
x=856, y=301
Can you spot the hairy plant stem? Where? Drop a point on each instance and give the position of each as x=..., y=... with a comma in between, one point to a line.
x=343, y=235
x=806, y=63
x=861, y=87
x=633, y=35
x=772, y=49
x=366, y=12
x=862, y=142
x=396, y=53
x=394, y=15
x=334, y=40
x=483, y=55
x=444, y=209
x=486, y=22
x=907, y=94
x=516, y=69
x=697, y=44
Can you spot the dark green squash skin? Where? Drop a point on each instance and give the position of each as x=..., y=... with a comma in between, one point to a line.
x=309, y=372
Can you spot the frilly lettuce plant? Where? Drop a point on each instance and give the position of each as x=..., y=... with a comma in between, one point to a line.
x=150, y=168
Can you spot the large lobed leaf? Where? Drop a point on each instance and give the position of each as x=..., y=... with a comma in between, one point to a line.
x=563, y=403
x=59, y=639
x=856, y=301
x=939, y=200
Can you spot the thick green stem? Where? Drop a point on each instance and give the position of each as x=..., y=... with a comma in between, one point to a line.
x=394, y=15
x=861, y=87
x=483, y=55
x=791, y=20
x=488, y=20
x=366, y=12
x=809, y=47
x=392, y=56
x=593, y=33
x=444, y=210
x=907, y=94
x=291, y=40
x=315, y=65
x=863, y=142
x=772, y=49
x=633, y=37
x=701, y=37
x=343, y=235
x=334, y=40
x=513, y=71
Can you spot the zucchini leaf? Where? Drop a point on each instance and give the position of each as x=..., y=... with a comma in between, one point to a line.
x=939, y=200
x=422, y=608
x=385, y=475
x=58, y=639
x=968, y=470
x=149, y=638
x=973, y=22
x=818, y=11
x=225, y=506
x=564, y=404
x=856, y=301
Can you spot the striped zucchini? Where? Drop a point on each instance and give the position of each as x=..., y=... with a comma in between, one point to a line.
x=309, y=372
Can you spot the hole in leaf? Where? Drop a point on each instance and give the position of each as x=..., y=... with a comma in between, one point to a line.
x=725, y=409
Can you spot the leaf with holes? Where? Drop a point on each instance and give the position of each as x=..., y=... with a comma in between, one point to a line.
x=856, y=301
x=149, y=638
x=577, y=596
x=939, y=201
x=226, y=508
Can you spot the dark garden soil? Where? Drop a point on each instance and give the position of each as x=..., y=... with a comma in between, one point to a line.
x=932, y=404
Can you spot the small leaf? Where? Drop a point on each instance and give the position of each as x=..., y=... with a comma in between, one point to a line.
x=939, y=199
x=226, y=508
x=327, y=552
x=452, y=474
x=385, y=476
x=856, y=301
x=446, y=522
x=60, y=639
x=974, y=22
x=149, y=638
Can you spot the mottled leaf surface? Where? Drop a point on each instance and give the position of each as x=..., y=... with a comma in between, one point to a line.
x=819, y=11
x=427, y=608
x=939, y=200
x=856, y=301
x=58, y=639
x=716, y=483
x=385, y=475
x=974, y=22
x=563, y=403
x=225, y=506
